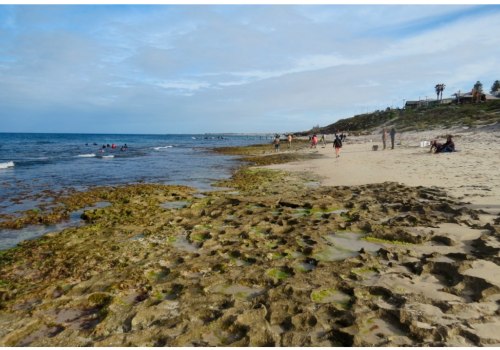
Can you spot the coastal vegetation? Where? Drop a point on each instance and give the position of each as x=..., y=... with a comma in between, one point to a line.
x=424, y=118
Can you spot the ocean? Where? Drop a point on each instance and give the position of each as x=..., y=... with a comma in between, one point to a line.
x=33, y=163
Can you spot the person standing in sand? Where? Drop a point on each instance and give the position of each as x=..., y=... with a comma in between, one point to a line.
x=393, y=136
x=384, y=136
x=337, y=144
x=289, y=140
x=276, y=143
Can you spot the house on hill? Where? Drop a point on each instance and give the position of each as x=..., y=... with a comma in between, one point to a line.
x=469, y=97
x=458, y=99
x=427, y=103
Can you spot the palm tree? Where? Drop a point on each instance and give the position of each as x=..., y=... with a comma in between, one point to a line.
x=439, y=90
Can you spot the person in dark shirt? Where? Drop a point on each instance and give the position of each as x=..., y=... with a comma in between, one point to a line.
x=448, y=146
x=393, y=137
x=337, y=143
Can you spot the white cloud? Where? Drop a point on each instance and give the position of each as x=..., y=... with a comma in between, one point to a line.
x=249, y=68
x=182, y=85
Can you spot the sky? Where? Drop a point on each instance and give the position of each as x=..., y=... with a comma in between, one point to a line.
x=164, y=69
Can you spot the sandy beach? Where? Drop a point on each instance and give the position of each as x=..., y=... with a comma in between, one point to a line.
x=472, y=174
x=375, y=248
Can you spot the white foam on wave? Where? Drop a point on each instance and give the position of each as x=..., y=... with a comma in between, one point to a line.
x=164, y=147
x=88, y=155
x=7, y=165
x=109, y=156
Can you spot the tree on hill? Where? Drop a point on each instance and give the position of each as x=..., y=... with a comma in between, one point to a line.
x=478, y=86
x=495, y=87
x=477, y=91
x=439, y=90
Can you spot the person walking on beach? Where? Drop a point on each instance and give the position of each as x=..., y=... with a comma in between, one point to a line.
x=384, y=136
x=393, y=136
x=337, y=144
x=314, y=141
x=276, y=143
x=289, y=140
x=323, y=140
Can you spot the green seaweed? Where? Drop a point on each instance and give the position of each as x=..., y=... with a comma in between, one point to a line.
x=333, y=296
x=99, y=299
x=278, y=274
x=171, y=239
x=381, y=240
x=200, y=237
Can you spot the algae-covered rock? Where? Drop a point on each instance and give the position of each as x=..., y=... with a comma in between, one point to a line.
x=331, y=296
x=165, y=313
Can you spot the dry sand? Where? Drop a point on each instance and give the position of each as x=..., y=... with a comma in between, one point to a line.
x=470, y=175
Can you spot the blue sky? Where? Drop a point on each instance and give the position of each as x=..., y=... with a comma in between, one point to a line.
x=232, y=68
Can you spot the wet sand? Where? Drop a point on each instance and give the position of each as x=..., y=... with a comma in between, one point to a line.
x=276, y=258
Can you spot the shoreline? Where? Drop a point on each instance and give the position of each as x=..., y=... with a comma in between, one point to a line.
x=280, y=258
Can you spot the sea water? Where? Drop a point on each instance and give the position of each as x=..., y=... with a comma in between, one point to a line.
x=33, y=163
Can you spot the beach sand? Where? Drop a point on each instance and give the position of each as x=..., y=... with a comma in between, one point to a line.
x=472, y=174
x=371, y=249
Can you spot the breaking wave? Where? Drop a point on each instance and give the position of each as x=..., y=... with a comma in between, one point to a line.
x=163, y=147
x=7, y=165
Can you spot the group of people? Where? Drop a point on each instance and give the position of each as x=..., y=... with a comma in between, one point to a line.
x=436, y=147
x=314, y=139
x=277, y=140
x=112, y=146
x=384, y=137
x=337, y=142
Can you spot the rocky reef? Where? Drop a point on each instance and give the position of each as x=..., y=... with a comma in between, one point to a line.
x=273, y=260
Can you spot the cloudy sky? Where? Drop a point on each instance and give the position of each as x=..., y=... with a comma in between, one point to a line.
x=232, y=68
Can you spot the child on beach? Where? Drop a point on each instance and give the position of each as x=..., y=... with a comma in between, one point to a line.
x=289, y=140
x=337, y=143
